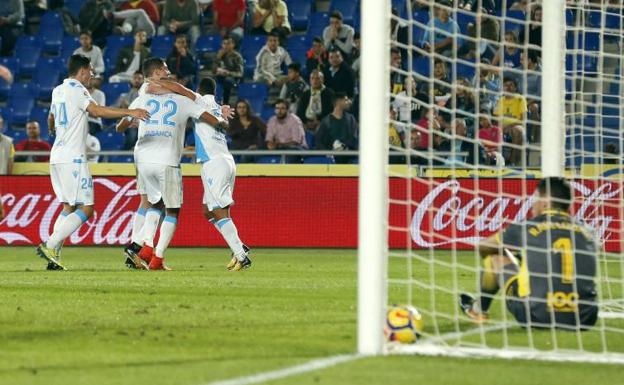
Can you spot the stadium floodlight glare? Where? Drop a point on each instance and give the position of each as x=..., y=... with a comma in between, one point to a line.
x=481, y=104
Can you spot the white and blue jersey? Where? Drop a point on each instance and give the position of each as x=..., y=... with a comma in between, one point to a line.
x=161, y=137
x=210, y=143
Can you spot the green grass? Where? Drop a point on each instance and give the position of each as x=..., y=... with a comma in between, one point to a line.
x=102, y=324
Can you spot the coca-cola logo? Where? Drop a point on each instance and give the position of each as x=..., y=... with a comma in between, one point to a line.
x=110, y=225
x=473, y=219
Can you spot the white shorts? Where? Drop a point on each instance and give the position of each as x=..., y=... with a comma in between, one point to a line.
x=140, y=188
x=161, y=182
x=72, y=183
x=218, y=176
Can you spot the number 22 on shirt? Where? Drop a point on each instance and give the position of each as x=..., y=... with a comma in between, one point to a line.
x=169, y=107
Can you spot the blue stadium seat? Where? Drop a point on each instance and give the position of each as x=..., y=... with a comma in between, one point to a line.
x=110, y=140
x=47, y=76
x=70, y=44
x=514, y=25
x=114, y=43
x=113, y=90
x=518, y=15
x=348, y=8
x=162, y=45
x=269, y=159
x=401, y=7
x=613, y=19
x=21, y=102
x=463, y=19
x=591, y=41
x=40, y=115
x=250, y=46
x=74, y=6
x=298, y=14
x=465, y=71
x=256, y=103
x=266, y=113
x=318, y=22
x=422, y=66
x=318, y=160
x=17, y=135
x=310, y=140
x=299, y=55
x=421, y=16
x=51, y=32
x=594, y=18
x=298, y=42
x=205, y=47
x=27, y=51
x=121, y=159
x=252, y=91
x=569, y=15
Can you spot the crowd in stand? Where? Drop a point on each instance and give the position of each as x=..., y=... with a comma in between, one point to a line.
x=485, y=113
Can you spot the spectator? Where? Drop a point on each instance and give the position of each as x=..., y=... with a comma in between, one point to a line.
x=488, y=29
x=490, y=139
x=229, y=18
x=228, y=67
x=11, y=24
x=181, y=16
x=430, y=123
x=461, y=149
x=181, y=62
x=399, y=31
x=441, y=83
x=70, y=23
x=7, y=152
x=339, y=36
x=338, y=130
x=465, y=106
x=509, y=57
x=534, y=34
x=441, y=31
x=271, y=16
x=512, y=107
x=128, y=97
x=246, y=130
x=294, y=87
x=130, y=59
x=316, y=102
x=150, y=8
x=520, y=5
x=395, y=137
x=316, y=56
x=339, y=76
x=285, y=130
x=133, y=20
x=488, y=84
x=533, y=91
x=95, y=124
x=93, y=52
x=6, y=74
x=269, y=63
x=97, y=16
x=470, y=5
x=93, y=147
x=397, y=79
x=355, y=55
x=404, y=103
x=33, y=143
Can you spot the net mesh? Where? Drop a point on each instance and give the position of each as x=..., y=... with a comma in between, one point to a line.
x=465, y=145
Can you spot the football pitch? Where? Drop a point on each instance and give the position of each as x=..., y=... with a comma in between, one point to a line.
x=100, y=323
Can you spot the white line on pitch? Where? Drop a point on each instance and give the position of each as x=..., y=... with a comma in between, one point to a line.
x=309, y=366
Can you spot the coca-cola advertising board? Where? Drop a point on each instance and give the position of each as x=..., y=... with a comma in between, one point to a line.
x=310, y=211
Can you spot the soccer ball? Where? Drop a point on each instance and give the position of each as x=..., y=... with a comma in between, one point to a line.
x=404, y=324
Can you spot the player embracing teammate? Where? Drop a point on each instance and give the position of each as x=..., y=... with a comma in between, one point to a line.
x=158, y=170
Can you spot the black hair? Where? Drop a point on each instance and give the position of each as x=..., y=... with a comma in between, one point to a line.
x=534, y=55
x=86, y=32
x=152, y=64
x=336, y=15
x=317, y=40
x=338, y=96
x=508, y=79
x=295, y=67
x=76, y=63
x=282, y=101
x=207, y=86
x=558, y=189
x=273, y=34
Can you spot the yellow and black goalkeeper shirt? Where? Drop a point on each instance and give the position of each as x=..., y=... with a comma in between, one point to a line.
x=557, y=267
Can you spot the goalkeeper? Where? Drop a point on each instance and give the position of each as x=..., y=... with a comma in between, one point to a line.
x=546, y=266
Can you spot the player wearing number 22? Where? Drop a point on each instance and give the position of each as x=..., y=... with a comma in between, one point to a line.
x=546, y=266
x=69, y=172
x=157, y=155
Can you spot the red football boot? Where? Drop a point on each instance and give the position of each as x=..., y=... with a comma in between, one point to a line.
x=146, y=253
x=158, y=264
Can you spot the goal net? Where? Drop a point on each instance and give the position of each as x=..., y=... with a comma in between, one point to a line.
x=485, y=98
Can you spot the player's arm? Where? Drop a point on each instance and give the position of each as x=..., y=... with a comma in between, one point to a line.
x=123, y=124
x=490, y=245
x=216, y=122
x=51, y=127
x=114, y=113
x=171, y=86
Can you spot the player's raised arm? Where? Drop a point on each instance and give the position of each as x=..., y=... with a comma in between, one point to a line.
x=170, y=86
x=114, y=113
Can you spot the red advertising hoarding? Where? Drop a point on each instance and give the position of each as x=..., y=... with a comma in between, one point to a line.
x=309, y=211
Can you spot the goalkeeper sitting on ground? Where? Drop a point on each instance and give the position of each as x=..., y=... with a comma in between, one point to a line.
x=546, y=266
